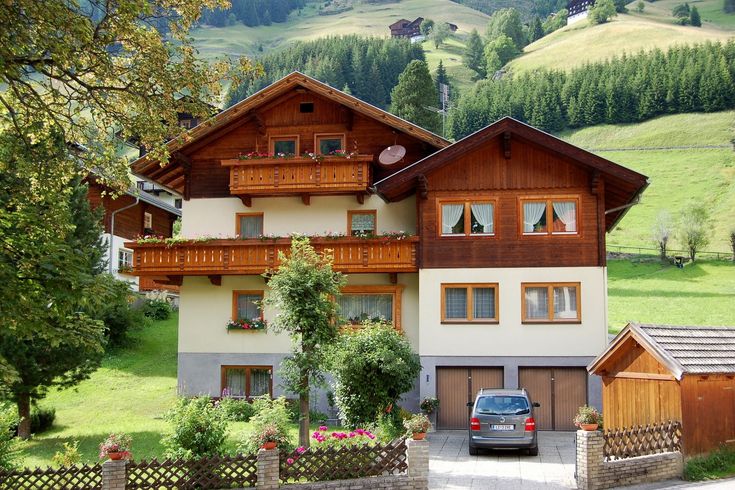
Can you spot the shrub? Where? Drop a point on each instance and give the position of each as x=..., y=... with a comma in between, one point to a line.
x=9, y=445
x=271, y=420
x=372, y=367
x=716, y=464
x=199, y=429
x=42, y=419
x=236, y=410
x=390, y=426
x=157, y=309
x=117, y=311
x=315, y=416
x=292, y=406
x=69, y=456
x=416, y=423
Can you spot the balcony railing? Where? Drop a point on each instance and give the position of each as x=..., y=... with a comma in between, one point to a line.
x=254, y=256
x=299, y=175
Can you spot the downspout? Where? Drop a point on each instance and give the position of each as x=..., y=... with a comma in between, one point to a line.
x=112, y=230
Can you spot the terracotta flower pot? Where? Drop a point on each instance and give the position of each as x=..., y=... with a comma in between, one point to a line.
x=116, y=456
x=419, y=436
x=589, y=427
x=269, y=445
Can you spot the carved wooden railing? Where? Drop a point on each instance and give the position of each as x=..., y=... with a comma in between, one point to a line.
x=299, y=175
x=254, y=256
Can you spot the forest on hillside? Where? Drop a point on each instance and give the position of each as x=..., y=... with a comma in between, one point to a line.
x=625, y=89
x=527, y=8
x=251, y=12
x=365, y=67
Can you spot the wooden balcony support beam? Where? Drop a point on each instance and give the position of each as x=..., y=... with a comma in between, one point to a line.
x=216, y=279
x=247, y=201
x=306, y=199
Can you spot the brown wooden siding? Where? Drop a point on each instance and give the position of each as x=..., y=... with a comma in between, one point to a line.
x=456, y=386
x=708, y=409
x=129, y=223
x=530, y=172
x=210, y=179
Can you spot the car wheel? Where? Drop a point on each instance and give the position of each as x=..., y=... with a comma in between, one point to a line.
x=473, y=451
x=533, y=451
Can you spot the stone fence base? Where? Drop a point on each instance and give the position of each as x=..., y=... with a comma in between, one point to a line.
x=593, y=473
x=398, y=482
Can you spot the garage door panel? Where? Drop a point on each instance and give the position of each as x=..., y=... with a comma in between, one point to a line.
x=452, y=389
x=485, y=378
x=570, y=392
x=537, y=381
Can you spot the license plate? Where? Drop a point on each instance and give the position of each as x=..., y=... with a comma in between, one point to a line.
x=502, y=427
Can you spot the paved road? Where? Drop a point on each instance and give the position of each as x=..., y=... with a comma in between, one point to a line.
x=451, y=467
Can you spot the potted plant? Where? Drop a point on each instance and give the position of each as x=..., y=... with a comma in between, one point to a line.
x=417, y=425
x=116, y=447
x=429, y=405
x=269, y=436
x=588, y=418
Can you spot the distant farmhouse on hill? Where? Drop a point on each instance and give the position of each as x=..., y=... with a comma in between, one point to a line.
x=578, y=10
x=406, y=28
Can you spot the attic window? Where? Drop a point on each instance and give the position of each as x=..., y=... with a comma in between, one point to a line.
x=305, y=107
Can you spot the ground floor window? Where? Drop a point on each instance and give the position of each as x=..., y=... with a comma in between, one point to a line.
x=247, y=381
x=469, y=303
x=360, y=303
x=124, y=260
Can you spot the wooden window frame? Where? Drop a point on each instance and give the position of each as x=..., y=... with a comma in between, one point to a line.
x=469, y=286
x=319, y=136
x=236, y=293
x=223, y=378
x=549, y=216
x=126, y=251
x=286, y=137
x=396, y=290
x=467, y=217
x=550, y=291
x=146, y=216
x=351, y=213
x=245, y=215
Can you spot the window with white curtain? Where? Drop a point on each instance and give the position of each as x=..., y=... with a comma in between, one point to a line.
x=468, y=218
x=250, y=225
x=551, y=302
x=362, y=222
x=246, y=381
x=356, y=308
x=549, y=216
x=469, y=303
x=248, y=305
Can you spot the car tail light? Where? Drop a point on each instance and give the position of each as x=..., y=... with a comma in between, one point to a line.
x=474, y=423
x=530, y=424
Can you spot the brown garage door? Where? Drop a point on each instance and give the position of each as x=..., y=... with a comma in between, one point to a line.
x=560, y=391
x=455, y=386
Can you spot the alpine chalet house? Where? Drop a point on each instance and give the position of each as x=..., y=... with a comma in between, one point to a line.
x=488, y=254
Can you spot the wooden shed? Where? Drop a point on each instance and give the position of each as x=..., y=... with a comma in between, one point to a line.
x=654, y=373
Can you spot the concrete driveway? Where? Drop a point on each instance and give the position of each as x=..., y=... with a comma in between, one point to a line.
x=451, y=466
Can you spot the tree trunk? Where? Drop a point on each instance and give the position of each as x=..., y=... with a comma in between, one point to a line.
x=24, y=411
x=304, y=412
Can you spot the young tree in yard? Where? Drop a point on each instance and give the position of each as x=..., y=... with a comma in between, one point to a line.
x=372, y=367
x=694, y=228
x=427, y=25
x=303, y=291
x=440, y=33
x=413, y=94
x=602, y=11
x=474, y=57
x=694, y=18
x=662, y=231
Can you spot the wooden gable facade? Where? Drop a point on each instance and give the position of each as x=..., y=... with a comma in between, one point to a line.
x=506, y=163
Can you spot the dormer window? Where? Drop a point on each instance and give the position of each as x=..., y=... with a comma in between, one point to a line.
x=284, y=145
x=326, y=144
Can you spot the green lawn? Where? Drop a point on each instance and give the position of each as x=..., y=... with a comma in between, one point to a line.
x=702, y=293
x=676, y=176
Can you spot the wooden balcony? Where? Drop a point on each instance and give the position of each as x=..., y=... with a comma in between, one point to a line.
x=253, y=256
x=299, y=176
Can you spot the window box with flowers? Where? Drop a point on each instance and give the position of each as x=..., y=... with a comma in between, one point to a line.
x=254, y=325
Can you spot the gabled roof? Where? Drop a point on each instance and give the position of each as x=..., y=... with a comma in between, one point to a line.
x=399, y=23
x=681, y=349
x=150, y=169
x=622, y=185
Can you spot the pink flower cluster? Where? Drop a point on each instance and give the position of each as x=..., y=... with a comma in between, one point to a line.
x=320, y=434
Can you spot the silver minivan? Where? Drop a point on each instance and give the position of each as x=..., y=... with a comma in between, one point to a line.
x=503, y=419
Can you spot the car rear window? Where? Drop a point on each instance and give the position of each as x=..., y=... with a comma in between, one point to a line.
x=502, y=405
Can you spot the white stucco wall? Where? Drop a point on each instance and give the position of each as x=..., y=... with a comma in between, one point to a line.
x=117, y=243
x=510, y=337
x=284, y=215
x=205, y=310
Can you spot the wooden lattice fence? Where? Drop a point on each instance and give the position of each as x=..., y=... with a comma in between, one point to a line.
x=338, y=463
x=218, y=472
x=79, y=477
x=642, y=440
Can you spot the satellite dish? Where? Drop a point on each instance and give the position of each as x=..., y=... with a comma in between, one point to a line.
x=392, y=154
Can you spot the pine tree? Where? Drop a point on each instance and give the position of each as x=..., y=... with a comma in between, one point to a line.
x=473, y=57
x=413, y=94
x=87, y=234
x=694, y=18
x=535, y=30
x=441, y=79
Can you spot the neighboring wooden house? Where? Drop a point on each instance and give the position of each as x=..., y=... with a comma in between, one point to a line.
x=501, y=280
x=656, y=373
x=406, y=28
x=578, y=9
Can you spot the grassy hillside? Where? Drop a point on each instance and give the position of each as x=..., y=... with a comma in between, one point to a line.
x=581, y=43
x=677, y=176
x=365, y=19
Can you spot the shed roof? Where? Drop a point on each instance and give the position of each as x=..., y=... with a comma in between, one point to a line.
x=682, y=349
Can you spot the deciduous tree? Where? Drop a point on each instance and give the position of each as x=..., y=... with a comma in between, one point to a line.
x=602, y=11
x=694, y=228
x=507, y=22
x=662, y=231
x=303, y=291
x=440, y=33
